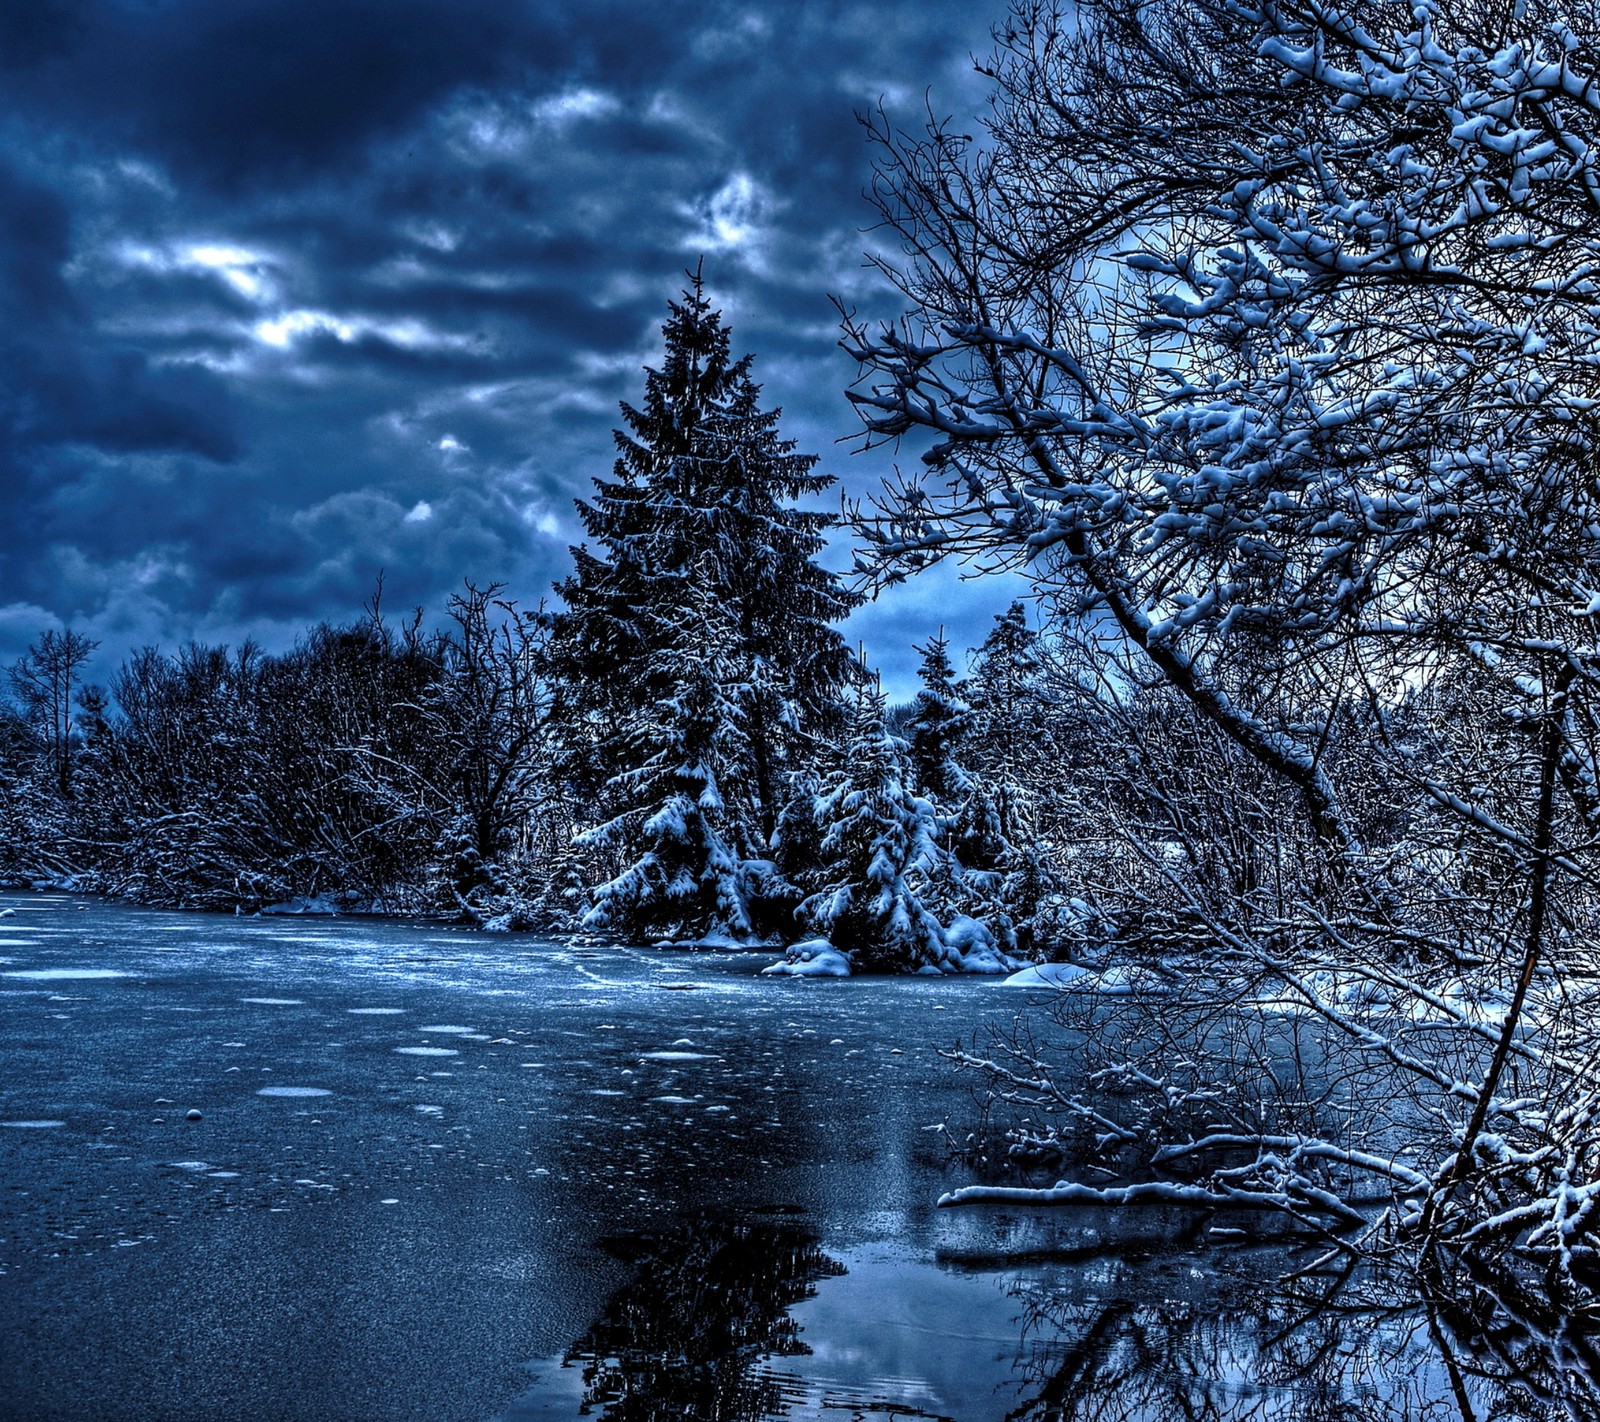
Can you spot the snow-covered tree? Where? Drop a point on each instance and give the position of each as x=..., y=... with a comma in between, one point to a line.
x=939, y=721
x=701, y=507
x=1266, y=332
x=1008, y=714
x=884, y=873
x=704, y=486
x=692, y=875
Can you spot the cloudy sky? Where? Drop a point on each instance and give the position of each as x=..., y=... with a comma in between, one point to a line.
x=292, y=291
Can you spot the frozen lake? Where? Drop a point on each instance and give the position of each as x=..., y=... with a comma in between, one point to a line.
x=438, y=1174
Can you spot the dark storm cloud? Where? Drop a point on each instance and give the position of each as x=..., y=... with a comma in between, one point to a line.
x=293, y=291
x=255, y=89
x=62, y=381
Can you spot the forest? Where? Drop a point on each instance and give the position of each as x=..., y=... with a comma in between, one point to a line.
x=1263, y=337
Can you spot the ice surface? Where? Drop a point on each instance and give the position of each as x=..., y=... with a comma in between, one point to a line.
x=294, y=1091
x=275, y=1001
x=320, y=906
x=450, y=1029
x=677, y=1057
x=376, y=1012
x=428, y=1051
x=62, y=975
x=32, y=1125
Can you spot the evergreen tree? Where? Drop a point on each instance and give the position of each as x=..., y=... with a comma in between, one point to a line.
x=1009, y=732
x=693, y=875
x=939, y=723
x=1004, y=690
x=884, y=873
x=698, y=522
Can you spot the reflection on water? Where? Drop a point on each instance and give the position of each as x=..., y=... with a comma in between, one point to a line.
x=709, y=1303
x=1352, y=1348
x=741, y=1321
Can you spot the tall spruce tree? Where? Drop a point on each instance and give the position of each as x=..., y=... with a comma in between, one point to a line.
x=939, y=722
x=698, y=521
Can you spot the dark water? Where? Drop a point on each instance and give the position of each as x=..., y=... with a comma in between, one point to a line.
x=447, y=1175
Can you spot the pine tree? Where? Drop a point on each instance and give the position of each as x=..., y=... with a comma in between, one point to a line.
x=692, y=875
x=939, y=723
x=884, y=873
x=699, y=515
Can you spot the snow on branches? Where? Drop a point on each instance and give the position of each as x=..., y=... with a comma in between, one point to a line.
x=1265, y=332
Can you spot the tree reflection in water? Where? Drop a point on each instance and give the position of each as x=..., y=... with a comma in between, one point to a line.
x=1310, y=1349
x=710, y=1302
x=705, y=1333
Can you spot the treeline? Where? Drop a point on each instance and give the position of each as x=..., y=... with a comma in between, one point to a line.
x=384, y=766
x=1045, y=804
x=682, y=747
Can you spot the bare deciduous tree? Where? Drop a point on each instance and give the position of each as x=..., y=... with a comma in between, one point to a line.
x=1264, y=333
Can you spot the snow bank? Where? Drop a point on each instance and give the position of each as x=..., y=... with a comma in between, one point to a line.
x=1046, y=975
x=971, y=948
x=815, y=958
x=321, y=906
